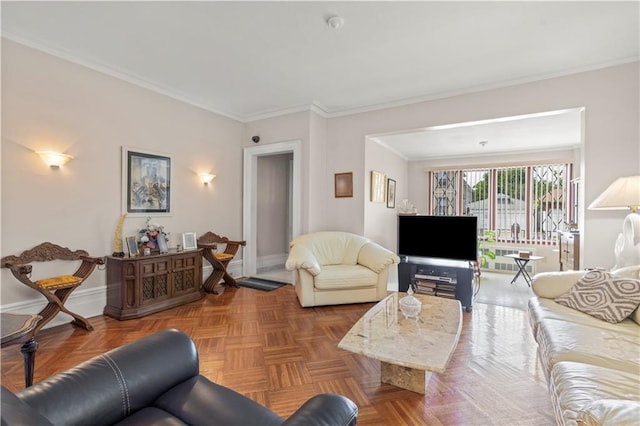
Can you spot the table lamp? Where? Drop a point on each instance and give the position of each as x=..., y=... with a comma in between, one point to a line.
x=622, y=194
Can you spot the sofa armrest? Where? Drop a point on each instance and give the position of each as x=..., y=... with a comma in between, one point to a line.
x=325, y=410
x=16, y=412
x=302, y=258
x=554, y=284
x=376, y=257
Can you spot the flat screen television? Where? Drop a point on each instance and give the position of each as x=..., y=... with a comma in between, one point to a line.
x=439, y=237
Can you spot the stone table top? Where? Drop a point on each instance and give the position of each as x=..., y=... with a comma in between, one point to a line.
x=426, y=343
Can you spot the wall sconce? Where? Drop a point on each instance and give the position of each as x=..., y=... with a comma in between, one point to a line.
x=54, y=159
x=205, y=178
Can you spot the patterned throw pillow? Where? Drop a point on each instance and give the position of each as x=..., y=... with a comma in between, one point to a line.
x=603, y=296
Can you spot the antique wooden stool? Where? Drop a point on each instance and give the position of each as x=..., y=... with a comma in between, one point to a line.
x=219, y=261
x=56, y=289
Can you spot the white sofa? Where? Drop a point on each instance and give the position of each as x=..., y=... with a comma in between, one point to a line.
x=592, y=366
x=335, y=268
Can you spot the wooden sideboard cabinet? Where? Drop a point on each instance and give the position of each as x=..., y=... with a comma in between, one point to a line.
x=569, y=248
x=139, y=286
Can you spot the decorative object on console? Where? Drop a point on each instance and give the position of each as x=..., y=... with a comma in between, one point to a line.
x=132, y=246
x=146, y=180
x=150, y=236
x=189, y=241
x=378, y=187
x=391, y=193
x=117, y=237
x=603, y=296
x=407, y=207
x=624, y=194
x=54, y=160
x=343, y=183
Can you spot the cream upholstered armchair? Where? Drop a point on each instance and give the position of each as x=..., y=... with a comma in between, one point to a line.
x=334, y=268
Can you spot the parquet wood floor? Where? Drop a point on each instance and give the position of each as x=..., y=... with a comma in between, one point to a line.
x=265, y=346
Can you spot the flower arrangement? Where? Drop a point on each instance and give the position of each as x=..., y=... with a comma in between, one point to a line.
x=149, y=234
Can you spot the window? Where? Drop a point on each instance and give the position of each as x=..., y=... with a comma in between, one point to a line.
x=521, y=203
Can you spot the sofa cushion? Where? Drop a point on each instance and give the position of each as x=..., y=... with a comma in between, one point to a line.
x=541, y=308
x=603, y=295
x=593, y=395
x=199, y=401
x=336, y=277
x=331, y=247
x=560, y=340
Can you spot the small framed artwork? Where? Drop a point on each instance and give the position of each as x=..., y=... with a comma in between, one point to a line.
x=343, y=185
x=378, y=187
x=162, y=244
x=189, y=241
x=391, y=193
x=132, y=246
x=146, y=183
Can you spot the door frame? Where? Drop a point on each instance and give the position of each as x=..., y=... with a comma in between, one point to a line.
x=250, y=196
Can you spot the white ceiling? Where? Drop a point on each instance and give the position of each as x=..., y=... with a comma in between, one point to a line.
x=249, y=60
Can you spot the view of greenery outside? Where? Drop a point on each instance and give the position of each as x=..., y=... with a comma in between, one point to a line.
x=528, y=202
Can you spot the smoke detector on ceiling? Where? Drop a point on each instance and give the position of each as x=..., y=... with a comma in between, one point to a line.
x=335, y=22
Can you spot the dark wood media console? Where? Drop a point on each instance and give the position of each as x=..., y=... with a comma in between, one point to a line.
x=139, y=286
x=436, y=279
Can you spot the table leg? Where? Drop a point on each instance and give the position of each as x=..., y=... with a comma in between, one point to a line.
x=404, y=377
x=522, y=264
x=28, y=350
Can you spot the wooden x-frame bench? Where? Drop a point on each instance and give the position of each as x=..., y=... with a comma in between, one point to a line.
x=56, y=289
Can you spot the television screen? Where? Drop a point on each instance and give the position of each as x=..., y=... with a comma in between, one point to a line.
x=441, y=237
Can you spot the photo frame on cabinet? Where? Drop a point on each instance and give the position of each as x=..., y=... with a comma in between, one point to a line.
x=189, y=241
x=343, y=185
x=162, y=244
x=146, y=183
x=391, y=193
x=378, y=187
x=132, y=246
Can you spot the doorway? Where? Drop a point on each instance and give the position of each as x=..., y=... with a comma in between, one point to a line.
x=250, y=197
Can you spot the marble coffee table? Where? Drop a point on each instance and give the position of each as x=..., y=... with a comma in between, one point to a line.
x=409, y=350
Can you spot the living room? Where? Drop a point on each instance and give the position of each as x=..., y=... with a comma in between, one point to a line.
x=52, y=100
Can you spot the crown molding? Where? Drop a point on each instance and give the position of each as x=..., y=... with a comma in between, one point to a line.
x=314, y=106
x=115, y=73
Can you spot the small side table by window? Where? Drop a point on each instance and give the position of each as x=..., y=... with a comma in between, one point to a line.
x=522, y=266
x=21, y=329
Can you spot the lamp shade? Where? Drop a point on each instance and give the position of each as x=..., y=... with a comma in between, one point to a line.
x=623, y=193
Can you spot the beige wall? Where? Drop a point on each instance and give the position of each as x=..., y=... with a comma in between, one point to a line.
x=611, y=139
x=48, y=103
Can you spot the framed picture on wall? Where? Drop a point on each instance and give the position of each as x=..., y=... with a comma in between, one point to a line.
x=378, y=187
x=343, y=185
x=146, y=183
x=391, y=193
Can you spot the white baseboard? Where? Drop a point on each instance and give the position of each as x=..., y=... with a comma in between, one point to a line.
x=90, y=302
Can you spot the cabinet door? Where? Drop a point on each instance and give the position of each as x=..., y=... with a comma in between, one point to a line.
x=155, y=280
x=186, y=273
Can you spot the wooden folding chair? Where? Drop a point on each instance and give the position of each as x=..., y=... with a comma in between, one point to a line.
x=55, y=289
x=219, y=261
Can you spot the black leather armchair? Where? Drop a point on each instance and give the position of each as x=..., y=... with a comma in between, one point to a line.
x=154, y=380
